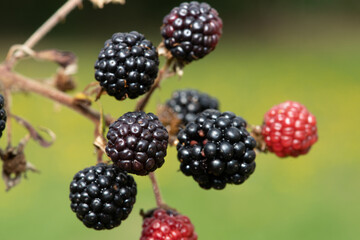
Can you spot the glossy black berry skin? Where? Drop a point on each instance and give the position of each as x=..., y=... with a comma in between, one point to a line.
x=191, y=30
x=2, y=115
x=102, y=196
x=137, y=142
x=188, y=103
x=127, y=65
x=216, y=149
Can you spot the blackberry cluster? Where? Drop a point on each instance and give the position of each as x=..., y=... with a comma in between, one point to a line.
x=216, y=149
x=190, y=102
x=191, y=30
x=137, y=142
x=127, y=65
x=102, y=196
x=289, y=129
x=2, y=115
x=170, y=225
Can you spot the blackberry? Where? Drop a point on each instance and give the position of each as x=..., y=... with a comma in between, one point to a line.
x=102, y=196
x=190, y=102
x=289, y=129
x=127, y=65
x=137, y=142
x=167, y=224
x=2, y=115
x=216, y=149
x=191, y=30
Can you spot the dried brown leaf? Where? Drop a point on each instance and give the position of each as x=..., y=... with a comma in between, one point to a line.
x=170, y=120
x=34, y=134
x=15, y=164
x=63, y=81
x=63, y=58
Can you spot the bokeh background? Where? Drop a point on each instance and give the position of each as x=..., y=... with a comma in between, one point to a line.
x=270, y=52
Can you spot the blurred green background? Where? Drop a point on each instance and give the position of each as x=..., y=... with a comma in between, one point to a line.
x=270, y=52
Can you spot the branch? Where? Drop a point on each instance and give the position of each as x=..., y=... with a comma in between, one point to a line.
x=164, y=73
x=59, y=15
x=28, y=85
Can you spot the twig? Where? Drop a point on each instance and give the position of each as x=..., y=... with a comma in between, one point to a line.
x=28, y=85
x=140, y=106
x=59, y=15
x=163, y=74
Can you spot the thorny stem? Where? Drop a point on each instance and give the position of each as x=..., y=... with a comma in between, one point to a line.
x=59, y=15
x=27, y=84
x=10, y=78
x=140, y=106
x=163, y=74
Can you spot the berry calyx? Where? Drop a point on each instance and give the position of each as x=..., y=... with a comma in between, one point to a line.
x=216, y=149
x=137, y=142
x=191, y=31
x=169, y=225
x=127, y=65
x=102, y=196
x=2, y=115
x=289, y=129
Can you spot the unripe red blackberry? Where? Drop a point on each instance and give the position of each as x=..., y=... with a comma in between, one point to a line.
x=102, y=196
x=191, y=30
x=188, y=103
x=2, y=115
x=127, y=65
x=167, y=224
x=289, y=129
x=137, y=142
x=216, y=149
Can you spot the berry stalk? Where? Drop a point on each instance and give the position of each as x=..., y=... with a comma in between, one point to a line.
x=164, y=73
x=156, y=189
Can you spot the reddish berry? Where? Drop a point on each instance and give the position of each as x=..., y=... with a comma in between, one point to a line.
x=191, y=31
x=167, y=225
x=289, y=129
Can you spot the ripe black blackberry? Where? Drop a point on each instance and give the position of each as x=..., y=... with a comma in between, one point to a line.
x=127, y=65
x=2, y=115
x=191, y=30
x=102, y=196
x=137, y=142
x=188, y=103
x=216, y=149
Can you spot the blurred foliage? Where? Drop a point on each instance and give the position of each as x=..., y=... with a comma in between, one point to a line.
x=313, y=60
x=27, y=15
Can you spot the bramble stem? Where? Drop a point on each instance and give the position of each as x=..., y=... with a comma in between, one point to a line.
x=163, y=74
x=59, y=15
x=9, y=78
